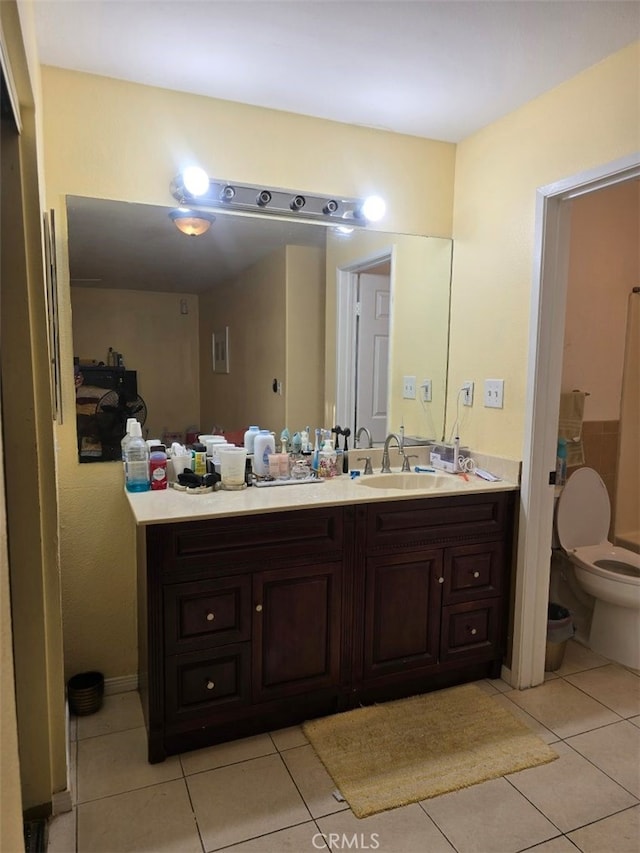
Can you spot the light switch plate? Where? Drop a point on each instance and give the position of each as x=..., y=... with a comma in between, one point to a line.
x=426, y=390
x=409, y=387
x=494, y=393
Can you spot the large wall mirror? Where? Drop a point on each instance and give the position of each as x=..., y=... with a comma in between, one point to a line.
x=261, y=320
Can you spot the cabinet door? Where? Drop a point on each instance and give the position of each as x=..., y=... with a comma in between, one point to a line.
x=402, y=612
x=296, y=630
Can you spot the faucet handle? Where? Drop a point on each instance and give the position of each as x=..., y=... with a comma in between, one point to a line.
x=367, y=464
x=406, y=465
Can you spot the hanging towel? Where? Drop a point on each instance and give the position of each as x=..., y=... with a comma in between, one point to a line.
x=570, y=425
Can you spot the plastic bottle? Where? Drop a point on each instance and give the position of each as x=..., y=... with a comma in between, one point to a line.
x=263, y=447
x=137, y=466
x=561, y=462
x=327, y=460
x=199, y=456
x=250, y=438
x=125, y=440
x=158, y=467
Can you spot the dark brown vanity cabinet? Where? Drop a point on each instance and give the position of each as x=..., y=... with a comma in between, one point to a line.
x=251, y=623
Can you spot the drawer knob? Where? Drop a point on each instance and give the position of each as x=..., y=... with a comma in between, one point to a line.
x=210, y=685
x=474, y=631
x=259, y=608
x=210, y=617
x=476, y=574
x=440, y=580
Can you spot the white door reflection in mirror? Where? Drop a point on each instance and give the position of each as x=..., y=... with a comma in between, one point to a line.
x=372, y=354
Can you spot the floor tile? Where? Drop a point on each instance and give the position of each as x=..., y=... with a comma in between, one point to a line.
x=120, y=711
x=619, y=833
x=613, y=686
x=246, y=800
x=561, y=844
x=112, y=764
x=157, y=819
x=563, y=708
x=578, y=658
x=537, y=728
x=491, y=816
x=61, y=833
x=615, y=749
x=305, y=838
x=404, y=830
x=289, y=738
x=635, y=720
x=226, y=753
x=313, y=781
x=570, y=791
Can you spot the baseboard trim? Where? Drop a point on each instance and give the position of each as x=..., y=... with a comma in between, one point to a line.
x=61, y=802
x=123, y=684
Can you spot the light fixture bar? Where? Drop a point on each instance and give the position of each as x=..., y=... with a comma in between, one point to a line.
x=237, y=196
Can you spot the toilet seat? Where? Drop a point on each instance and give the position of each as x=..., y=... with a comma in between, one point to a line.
x=582, y=523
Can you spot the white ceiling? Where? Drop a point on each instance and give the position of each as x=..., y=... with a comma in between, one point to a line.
x=440, y=69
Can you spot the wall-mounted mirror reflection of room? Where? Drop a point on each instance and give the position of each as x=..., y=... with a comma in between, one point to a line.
x=147, y=301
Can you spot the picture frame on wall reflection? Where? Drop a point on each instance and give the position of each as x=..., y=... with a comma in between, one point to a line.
x=220, y=350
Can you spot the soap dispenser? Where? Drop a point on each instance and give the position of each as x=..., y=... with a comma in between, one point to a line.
x=327, y=461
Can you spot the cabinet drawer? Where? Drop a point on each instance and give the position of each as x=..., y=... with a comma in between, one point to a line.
x=473, y=571
x=470, y=630
x=201, y=681
x=207, y=613
x=405, y=524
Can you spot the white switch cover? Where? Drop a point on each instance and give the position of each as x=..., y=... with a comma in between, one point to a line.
x=409, y=387
x=426, y=390
x=494, y=393
x=467, y=397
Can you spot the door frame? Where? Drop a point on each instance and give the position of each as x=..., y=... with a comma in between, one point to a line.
x=346, y=321
x=544, y=374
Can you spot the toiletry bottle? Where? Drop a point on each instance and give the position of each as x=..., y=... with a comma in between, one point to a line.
x=137, y=467
x=250, y=437
x=158, y=467
x=125, y=441
x=327, y=460
x=264, y=446
x=199, y=457
x=561, y=462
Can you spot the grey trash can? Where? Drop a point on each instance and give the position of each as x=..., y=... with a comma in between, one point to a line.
x=559, y=629
x=85, y=692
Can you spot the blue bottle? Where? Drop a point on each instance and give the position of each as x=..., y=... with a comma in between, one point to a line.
x=137, y=462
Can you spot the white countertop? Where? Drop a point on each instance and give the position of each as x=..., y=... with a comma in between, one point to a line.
x=165, y=507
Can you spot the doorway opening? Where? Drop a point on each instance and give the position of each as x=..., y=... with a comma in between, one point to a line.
x=363, y=345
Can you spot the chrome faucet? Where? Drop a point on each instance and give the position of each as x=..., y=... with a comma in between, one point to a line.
x=386, y=468
x=363, y=429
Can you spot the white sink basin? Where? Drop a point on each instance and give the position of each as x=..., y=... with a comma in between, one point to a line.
x=405, y=480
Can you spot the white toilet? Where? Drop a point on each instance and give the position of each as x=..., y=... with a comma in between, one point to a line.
x=610, y=574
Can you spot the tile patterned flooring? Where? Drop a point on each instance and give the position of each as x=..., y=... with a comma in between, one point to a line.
x=271, y=794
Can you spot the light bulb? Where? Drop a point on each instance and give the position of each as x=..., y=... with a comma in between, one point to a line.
x=373, y=208
x=195, y=180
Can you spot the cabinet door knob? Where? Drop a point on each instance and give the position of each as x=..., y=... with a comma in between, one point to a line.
x=259, y=608
x=210, y=616
x=474, y=631
x=440, y=580
x=476, y=574
x=210, y=685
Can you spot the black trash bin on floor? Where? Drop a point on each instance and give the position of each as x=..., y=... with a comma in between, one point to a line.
x=559, y=629
x=85, y=692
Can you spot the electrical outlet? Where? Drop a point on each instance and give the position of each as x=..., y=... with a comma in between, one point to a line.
x=467, y=397
x=426, y=391
x=409, y=387
x=494, y=393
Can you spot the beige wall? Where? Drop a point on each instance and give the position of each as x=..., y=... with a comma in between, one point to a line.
x=156, y=340
x=110, y=139
x=253, y=307
x=604, y=264
x=590, y=120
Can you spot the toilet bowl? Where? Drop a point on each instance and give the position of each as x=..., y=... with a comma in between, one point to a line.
x=608, y=573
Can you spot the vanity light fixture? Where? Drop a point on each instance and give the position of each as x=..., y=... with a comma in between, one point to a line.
x=195, y=180
x=190, y=222
x=236, y=196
